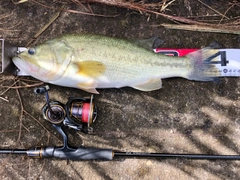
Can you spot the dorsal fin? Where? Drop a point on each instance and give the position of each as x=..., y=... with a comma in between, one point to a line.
x=150, y=43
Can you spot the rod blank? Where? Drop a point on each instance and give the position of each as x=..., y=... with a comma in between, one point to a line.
x=182, y=156
x=13, y=151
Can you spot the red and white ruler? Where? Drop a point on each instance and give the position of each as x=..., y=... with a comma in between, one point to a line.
x=228, y=59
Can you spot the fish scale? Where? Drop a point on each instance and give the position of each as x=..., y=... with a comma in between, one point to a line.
x=129, y=60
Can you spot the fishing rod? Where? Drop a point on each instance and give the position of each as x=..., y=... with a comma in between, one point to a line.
x=79, y=114
x=84, y=153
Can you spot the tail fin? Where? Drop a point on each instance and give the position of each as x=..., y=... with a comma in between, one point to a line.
x=203, y=68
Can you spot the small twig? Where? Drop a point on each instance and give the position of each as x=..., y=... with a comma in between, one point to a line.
x=9, y=87
x=45, y=27
x=40, y=124
x=4, y=99
x=5, y=16
x=1, y=80
x=31, y=80
x=80, y=4
x=213, y=9
x=142, y=9
x=72, y=11
x=226, y=12
x=19, y=2
x=201, y=28
x=9, y=30
x=10, y=130
x=36, y=120
x=90, y=9
x=29, y=169
x=31, y=85
x=40, y=172
x=89, y=14
x=165, y=5
x=21, y=115
x=37, y=143
x=26, y=86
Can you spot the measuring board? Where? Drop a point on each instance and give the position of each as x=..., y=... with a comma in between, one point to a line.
x=228, y=60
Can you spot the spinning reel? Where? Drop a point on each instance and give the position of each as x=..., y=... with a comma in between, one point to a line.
x=78, y=113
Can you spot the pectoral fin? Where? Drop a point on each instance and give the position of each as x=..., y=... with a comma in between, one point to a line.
x=91, y=69
x=151, y=85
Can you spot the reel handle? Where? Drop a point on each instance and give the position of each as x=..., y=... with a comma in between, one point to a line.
x=41, y=90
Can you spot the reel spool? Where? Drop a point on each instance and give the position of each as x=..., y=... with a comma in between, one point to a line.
x=78, y=113
x=81, y=110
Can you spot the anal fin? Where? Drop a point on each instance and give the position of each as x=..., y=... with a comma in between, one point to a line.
x=151, y=85
x=89, y=86
x=93, y=90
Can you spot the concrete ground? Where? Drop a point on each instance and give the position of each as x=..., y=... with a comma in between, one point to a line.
x=183, y=117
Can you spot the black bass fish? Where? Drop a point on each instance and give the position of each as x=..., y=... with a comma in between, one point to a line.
x=87, y=62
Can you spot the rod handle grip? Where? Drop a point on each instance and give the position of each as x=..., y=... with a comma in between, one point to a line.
x=80, y=153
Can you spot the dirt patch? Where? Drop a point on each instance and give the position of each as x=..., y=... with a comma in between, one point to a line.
x=183, y=117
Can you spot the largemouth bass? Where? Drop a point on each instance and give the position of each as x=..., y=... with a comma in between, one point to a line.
x=88, y=62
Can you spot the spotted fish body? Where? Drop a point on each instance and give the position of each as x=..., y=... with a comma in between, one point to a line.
x=87, y=62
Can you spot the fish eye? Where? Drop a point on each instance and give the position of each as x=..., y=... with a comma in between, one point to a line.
x=31, y=51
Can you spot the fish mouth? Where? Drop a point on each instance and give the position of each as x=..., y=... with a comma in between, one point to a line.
x=23, y=64
x=17, y=60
